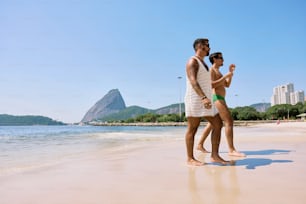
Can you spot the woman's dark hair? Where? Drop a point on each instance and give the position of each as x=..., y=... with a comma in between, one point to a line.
x=214, y=55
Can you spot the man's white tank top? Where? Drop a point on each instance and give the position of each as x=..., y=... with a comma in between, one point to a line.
x=194, y=107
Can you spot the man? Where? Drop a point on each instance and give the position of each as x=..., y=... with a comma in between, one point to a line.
x=198, y=103
x=219, y=83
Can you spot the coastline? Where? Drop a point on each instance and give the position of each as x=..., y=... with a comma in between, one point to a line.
x=156, y=172
x=236, y=123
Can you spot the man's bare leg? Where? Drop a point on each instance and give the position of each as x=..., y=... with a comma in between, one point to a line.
x=193, y=124
x=229, y=125
x=205, y=134
x=215, y=138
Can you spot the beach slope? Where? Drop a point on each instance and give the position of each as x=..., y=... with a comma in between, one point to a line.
x=156, y=172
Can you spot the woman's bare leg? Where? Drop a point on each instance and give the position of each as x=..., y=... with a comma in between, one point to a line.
x=229, y=125
x=205, y=134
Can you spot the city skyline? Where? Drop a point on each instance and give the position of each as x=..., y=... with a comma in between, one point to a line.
x=286, y=94
x=180, y=108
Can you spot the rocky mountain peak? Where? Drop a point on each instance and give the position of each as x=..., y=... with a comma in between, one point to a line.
x=111, y=103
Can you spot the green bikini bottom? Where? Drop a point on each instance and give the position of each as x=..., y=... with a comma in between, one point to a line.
x=216, y=97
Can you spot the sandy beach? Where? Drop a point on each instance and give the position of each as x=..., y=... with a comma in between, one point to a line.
x=156, y=172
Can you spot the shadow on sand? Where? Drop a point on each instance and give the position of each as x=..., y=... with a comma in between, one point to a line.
x=267, y=152
x=252, y=163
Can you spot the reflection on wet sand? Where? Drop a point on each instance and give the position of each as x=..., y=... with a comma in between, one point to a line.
x=219, y=182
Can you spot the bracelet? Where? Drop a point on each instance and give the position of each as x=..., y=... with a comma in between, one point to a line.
x=204, y=97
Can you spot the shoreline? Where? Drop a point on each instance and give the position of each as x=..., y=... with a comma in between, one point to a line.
x=236, y=123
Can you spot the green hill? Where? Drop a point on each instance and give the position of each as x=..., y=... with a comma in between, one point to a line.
x=171, y=109
x=128, y=112
x=11, y=120
x=133, y=111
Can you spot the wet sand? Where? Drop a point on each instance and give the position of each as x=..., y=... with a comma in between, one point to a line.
x=272, y=172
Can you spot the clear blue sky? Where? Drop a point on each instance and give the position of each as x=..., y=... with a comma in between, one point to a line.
x=59, y=57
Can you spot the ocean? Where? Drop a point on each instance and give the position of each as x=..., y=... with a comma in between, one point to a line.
x=24, y=148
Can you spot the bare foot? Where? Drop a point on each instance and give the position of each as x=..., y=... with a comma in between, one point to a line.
x=202, y=149
x=194, y=162
x=236, y=154
x=218, y=159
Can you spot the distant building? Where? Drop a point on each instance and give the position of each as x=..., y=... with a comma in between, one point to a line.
x=285, y=94
x=296, y=97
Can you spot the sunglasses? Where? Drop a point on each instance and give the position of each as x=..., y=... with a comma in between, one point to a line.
x=219, y=58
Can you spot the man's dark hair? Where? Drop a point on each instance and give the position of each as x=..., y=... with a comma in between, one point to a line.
x=198, y=41
x=214, y=55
